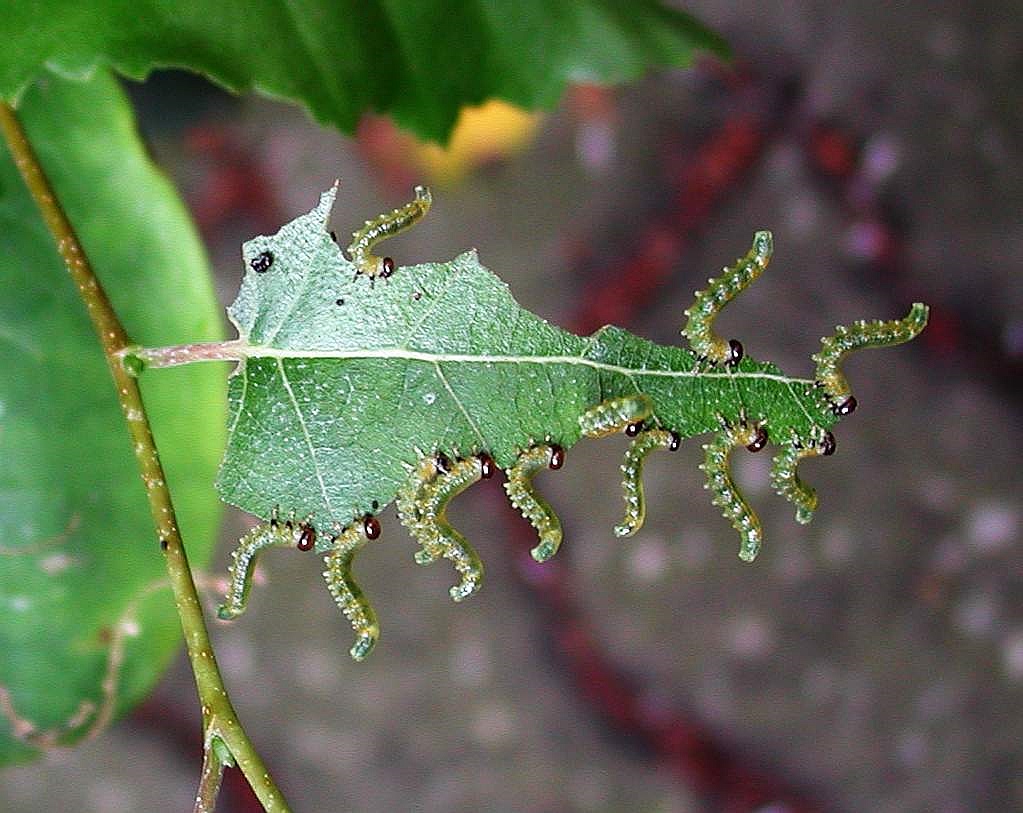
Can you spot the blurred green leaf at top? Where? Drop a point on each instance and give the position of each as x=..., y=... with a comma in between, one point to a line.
x=419, y=61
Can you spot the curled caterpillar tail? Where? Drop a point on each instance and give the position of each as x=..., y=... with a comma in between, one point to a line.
x=243, y=559
x=861, y=334
x=422, y=509
x=719, y=292
x=419, y=523
x=343, y=587
x=785, y=477
x=632, y=476
x=531, y=505
x=614, y=415
x=382, y=227
x=726, y=496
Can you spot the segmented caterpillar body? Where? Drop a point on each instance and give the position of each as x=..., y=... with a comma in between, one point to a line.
x=531, y=505
x=718, y=293
x=861, y=334
x=422, y=505
x=725, y=495
x=454, y=414
x=614, y=415
x=632, y=474
x=382, y=227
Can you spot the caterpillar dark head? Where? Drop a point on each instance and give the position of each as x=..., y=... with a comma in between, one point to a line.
x=759, y=440
x=735, y=352
x=487, y=466
x=306, y=537
x=371, y=526
x=845, y=407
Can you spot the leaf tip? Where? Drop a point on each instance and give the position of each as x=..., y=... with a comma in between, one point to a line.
x=326, y=204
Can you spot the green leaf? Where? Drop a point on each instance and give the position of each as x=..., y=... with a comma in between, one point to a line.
x=86, y=626
x=420, y=61
x=344, y=385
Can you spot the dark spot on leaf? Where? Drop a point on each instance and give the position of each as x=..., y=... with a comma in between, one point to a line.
x=261, y=262
x=164, y=543
x=339, y=302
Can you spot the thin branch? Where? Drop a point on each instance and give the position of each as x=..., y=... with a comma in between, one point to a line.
x=219, y=717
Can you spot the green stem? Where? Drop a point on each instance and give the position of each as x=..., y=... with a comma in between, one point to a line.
x=219, y=718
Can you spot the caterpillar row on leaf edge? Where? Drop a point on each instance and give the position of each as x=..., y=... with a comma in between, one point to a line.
x=426, y=324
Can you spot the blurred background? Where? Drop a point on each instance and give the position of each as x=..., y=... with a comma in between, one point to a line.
x=870, y=661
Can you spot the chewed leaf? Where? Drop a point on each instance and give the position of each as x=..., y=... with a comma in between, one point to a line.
x=346, y=383
x=359, y=383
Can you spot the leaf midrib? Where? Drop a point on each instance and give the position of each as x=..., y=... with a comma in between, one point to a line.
x=246, y=351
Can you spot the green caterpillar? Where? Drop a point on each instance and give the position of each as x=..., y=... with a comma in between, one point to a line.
x=531, y=505
x=632, y=469
x=382, y=227
x=388, y=396
x=421, y=507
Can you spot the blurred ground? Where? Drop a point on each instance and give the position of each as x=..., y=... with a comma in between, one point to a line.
x=872, y=660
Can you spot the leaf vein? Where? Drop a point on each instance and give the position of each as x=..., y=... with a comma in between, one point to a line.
x=305, y=433
x=460, y=405
x=406, y=354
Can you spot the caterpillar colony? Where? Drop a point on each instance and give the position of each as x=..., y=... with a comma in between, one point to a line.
x=650, y=400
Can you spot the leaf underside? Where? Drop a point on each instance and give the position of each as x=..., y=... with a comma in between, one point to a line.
x=420, y=61
x=346, y=385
